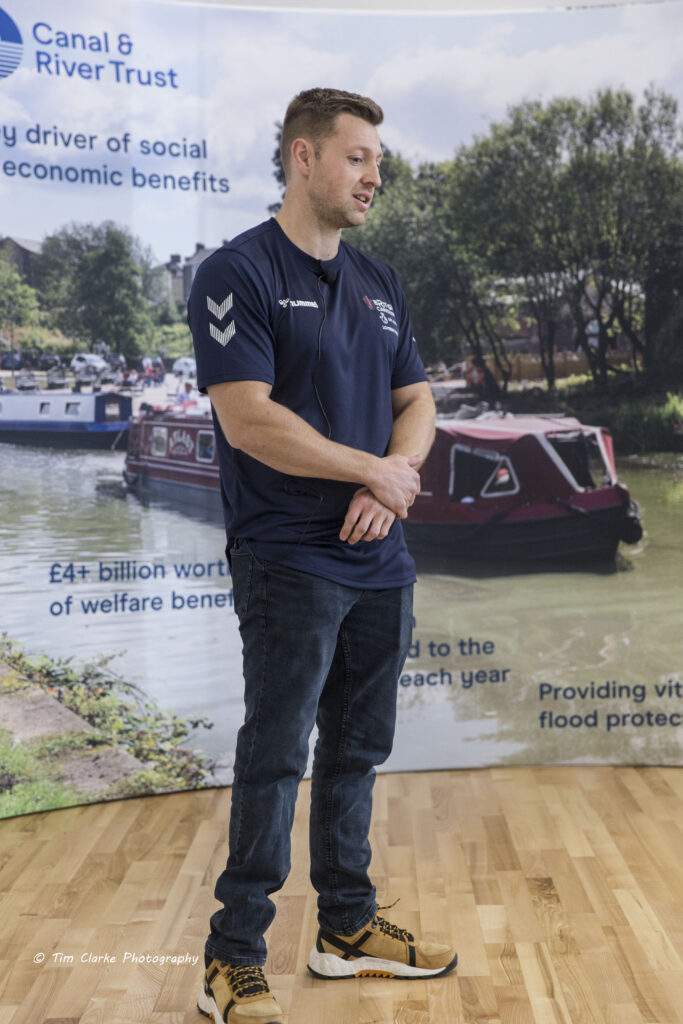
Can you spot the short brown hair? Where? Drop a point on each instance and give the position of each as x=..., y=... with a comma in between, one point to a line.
x=313, y=114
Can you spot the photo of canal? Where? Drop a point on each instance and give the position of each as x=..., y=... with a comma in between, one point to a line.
x=507, y=665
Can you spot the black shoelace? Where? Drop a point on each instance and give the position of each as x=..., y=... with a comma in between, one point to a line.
x=246, y=980
x=393, y=931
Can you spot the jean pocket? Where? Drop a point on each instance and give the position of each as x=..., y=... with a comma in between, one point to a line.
x=242, y=564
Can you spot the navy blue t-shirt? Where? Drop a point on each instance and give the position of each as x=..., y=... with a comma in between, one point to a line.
x=333, y=348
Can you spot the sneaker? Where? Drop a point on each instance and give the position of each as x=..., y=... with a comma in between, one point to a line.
x=237, y=995
x=379, y=950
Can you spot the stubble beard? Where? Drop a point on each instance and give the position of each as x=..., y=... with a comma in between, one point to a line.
x=333, y=215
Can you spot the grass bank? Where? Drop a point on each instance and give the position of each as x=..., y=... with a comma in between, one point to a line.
x=121, y=716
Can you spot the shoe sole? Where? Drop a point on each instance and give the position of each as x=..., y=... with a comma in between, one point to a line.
x=207, y=1007
x=329, y=965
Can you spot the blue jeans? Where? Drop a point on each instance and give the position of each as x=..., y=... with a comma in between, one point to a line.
x=315, y=652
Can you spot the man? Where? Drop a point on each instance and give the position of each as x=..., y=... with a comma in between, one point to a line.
x=323, y=415
x=184, y=392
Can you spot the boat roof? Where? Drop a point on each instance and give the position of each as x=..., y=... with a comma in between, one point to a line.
x=496, y=426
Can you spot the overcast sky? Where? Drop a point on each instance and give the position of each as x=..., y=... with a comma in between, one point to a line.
x=441, y=79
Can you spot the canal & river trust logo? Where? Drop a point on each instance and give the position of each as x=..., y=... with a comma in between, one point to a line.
x=11, y=45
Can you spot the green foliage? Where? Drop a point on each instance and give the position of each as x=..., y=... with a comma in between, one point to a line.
x=41, y=795
x=110, y=304
x=278, y=169
x=25, y=785
x=573, y=199
x=144, y=783
x=646, y=426
x=18, y=301
x=120, y=712
x=172, y=340
x=96, y=283
x=569, y=213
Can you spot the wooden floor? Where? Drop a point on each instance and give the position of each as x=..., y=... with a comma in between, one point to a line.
x=562, y=888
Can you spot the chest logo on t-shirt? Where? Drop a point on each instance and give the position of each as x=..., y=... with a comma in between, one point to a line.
x=298, y=302
x=385, y=312
x=219, y=312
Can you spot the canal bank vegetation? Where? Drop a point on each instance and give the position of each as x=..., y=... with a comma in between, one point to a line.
x=118, y=715
x=639, y=421
x=27, y=774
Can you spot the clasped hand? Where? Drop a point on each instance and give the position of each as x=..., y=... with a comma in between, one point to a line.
x=373, y=509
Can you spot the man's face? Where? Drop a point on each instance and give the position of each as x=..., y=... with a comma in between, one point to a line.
x=345, y=173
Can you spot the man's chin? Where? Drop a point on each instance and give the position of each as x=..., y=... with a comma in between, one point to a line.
x=355, y=219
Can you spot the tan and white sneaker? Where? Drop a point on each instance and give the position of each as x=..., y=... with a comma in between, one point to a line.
x=379, y=950
x=237, y=995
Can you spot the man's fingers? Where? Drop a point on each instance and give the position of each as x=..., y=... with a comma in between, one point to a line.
x=353, y=513
x=366, y=519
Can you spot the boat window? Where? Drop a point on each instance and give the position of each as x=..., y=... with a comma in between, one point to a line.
x=44, y=408
x=479, y=473
x=159, y=440
x=112, y=409
x=205, y=446
x=72, y=408
x=582, y=456
x=502, y=480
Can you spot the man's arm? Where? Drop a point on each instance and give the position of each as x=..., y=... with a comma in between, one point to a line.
x=276, y=436
x=413, y=432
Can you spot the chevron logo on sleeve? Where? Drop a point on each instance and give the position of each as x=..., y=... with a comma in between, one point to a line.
x=223, y=337
x=219, y=311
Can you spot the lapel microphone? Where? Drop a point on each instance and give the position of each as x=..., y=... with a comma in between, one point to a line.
x=326, y=274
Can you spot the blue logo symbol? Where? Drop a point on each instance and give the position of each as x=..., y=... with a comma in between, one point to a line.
x=11, y=45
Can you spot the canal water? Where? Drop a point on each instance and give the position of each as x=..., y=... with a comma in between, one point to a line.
x=507, y=666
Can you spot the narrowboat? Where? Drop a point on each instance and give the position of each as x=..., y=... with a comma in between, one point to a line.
x=172, y=455
x=498, y=487
x=507, y=487
x=65, y=419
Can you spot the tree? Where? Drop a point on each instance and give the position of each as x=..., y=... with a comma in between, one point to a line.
x=506, y=194
x=109, y=299
x=624, y=172
x=18, y=301
x=278, y=169
x=452, y=299
x=91, y=281
x=569, y=203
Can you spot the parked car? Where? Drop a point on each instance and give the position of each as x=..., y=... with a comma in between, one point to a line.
x=185, y=365
x=49, y=361
x=89, y=360
x=11, y=361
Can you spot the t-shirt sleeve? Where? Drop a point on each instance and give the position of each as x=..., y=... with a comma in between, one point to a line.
x=230, y=323
x=408, y=366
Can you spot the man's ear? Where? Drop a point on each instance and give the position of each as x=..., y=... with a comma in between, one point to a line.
x=302, y=156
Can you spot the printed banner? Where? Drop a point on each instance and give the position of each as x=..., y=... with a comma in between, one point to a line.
x=134, y=139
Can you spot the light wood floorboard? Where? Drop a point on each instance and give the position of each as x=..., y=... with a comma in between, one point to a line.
x=561, y=887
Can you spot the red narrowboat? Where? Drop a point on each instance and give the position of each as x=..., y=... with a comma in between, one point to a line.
x=509, y=488
x=172, y=455
x=497, y=486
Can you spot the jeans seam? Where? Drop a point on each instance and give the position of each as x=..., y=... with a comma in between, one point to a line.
x=343, y=639
x=259, y=705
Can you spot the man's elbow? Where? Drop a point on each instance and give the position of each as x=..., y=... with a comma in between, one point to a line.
x=233, y=414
